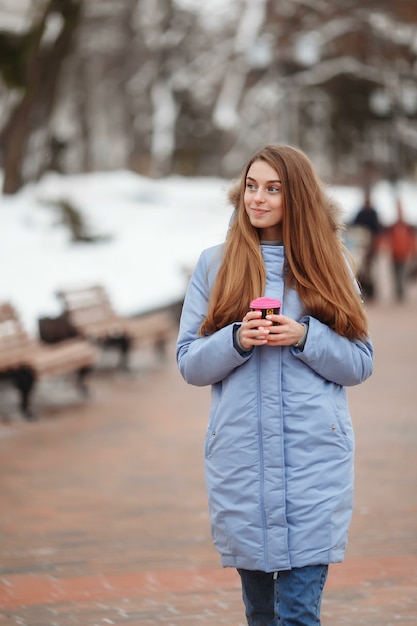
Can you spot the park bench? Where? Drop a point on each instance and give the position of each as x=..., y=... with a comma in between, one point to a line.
x=90, y=313
x=24, y=360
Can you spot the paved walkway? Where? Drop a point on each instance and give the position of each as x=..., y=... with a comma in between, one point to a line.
x=103, y=515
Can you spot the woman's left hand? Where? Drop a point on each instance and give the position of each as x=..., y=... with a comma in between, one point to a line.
x=287, y=333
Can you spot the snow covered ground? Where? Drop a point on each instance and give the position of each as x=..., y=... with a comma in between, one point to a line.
x=153, y=230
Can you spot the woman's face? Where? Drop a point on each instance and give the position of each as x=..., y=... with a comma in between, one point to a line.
x=263, y=200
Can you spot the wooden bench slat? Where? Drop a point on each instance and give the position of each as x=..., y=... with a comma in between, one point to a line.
x=73, y=354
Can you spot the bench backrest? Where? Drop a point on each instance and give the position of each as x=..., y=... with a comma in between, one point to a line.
x=86, y=305
x=12, y=333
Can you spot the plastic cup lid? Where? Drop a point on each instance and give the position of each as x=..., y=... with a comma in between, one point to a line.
x=265, y=303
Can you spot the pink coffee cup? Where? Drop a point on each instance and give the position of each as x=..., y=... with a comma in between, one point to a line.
x=267, y=306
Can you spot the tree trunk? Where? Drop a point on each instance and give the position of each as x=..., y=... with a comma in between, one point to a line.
x=36, y=104
x=14, y=143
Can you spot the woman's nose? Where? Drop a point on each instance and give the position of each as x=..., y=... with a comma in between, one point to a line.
x=259, y=195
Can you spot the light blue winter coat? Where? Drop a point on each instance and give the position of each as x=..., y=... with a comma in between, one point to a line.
x=279, y=445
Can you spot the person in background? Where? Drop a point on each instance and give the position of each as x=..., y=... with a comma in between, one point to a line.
x=367, y=218
x=401, y=242
x=279, y=447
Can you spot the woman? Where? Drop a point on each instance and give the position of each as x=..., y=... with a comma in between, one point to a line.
x=279, y=445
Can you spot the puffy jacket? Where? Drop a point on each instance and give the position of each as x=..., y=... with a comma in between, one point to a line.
x=279, y=445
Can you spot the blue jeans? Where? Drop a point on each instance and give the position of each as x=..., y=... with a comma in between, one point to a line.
x=288, y=598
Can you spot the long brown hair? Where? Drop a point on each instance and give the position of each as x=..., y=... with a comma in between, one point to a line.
x=316, y=260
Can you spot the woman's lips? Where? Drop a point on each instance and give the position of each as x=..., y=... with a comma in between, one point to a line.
x=259, y=211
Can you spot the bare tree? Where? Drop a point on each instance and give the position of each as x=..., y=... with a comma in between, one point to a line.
x=161, y=86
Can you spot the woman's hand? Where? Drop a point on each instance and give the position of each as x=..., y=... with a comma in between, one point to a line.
x=287, y=333
x=256, y=331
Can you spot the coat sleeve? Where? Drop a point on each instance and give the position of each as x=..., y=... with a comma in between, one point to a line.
x=336, y=358
x=204, y=360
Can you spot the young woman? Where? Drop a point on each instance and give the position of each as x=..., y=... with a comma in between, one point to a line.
x=279, y=445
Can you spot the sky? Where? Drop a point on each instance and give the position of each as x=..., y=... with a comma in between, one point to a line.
x=152, y=234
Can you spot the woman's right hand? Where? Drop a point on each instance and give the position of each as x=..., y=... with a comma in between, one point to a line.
x=254, y=330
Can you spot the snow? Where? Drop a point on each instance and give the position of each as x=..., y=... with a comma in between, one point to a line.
x=153, y=232
x=156, y=228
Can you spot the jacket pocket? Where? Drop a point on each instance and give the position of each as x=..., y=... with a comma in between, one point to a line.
x=216, y=393
x=209, y=442
x=340, y=424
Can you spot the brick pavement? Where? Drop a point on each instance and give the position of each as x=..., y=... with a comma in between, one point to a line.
x=103, y=515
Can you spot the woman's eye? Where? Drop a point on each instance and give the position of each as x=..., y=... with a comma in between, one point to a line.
x=250, y=186
x=274, y=189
